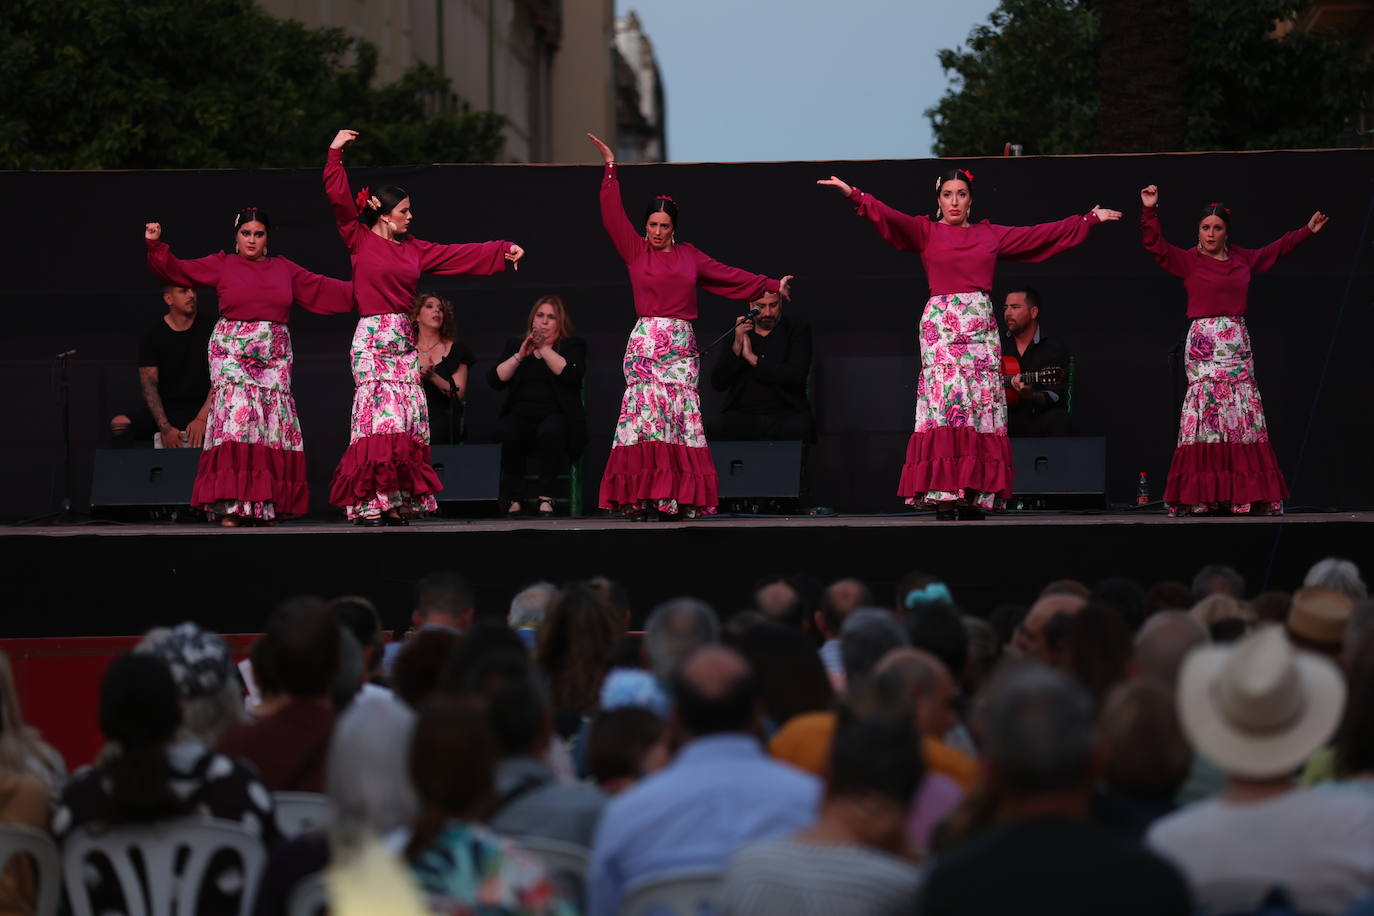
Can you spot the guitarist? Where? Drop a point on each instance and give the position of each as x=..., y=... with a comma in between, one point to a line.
x=1040, y=409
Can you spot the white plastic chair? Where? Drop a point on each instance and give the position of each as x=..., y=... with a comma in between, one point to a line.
x=171, y=886
x=566, y=863
x=556, y=856
x=684, y=893
x=302, y=812
x=310, y=897
x=19, y=841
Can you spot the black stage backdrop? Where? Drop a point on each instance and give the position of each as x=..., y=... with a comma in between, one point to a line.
x=76, y=278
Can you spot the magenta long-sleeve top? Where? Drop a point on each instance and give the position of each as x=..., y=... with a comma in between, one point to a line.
x=665, y=282
x=1215, y=287
x=386, y=273
x=962, y=259
x=261, y=290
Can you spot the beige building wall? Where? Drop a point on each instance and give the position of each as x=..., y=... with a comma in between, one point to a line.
x=501, y=55
x=583, y=87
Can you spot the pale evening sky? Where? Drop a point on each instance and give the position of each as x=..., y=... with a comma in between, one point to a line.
x=764, y=80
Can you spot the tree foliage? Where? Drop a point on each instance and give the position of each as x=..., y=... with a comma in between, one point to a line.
x=99, y=84
x=1032, y=75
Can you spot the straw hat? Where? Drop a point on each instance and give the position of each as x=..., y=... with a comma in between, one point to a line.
x=1319, y=615
x=1259, y=708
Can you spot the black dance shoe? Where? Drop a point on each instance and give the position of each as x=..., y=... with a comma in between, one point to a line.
x=395, y=521
x=369, y=521
x=969, y=513
x=945, y=515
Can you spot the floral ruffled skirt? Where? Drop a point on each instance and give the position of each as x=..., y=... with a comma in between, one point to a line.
x=1223, y=462
x=660, y=459
x=959, y=452
x=386, y=466
x=253, y=465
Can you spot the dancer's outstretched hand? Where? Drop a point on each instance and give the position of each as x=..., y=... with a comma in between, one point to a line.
x=833, y=182
x=1149, y=197
x=1106, y=215
x=153, y=231
x=785, y=287
x=1317, y=221
x=514, y=254
x=606, y=155
x=343, y=138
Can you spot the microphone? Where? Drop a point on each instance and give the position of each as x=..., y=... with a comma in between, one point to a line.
x=64, y=354
x=752, y=313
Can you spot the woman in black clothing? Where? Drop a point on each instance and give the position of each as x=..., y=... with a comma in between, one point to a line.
x=543, y=415
x=444, y=364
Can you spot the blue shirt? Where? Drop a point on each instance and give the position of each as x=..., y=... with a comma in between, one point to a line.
x=720, y=793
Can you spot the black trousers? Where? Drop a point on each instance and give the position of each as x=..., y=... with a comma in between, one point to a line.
x=545, y=439
x=782, y=426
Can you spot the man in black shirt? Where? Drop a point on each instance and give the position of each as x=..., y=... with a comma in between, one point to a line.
x=764, y=372
x=1040, y=409
x=174, y=375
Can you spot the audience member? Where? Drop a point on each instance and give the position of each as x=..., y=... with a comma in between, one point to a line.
x=1030, y=641
x=624, y=745
x=359, y=617
x=938, y=628
x=1353, y=757
x=777, y=598
x=718, y=794
x=931, y=691
x=852, y=860
x=367, y=781
x=574, y=653
x=868, y=634
x=1065, y=587
x=1218, y=580
x=1145, y=757
x=984, y=648
x=461, y=865
x=1339, y=575
x=153, y=777
x=675, y=629
x=1097, y=649
x=1005, y=620
x=444, y=599
x=1169, y=595
x=529, y=800
x=789, y=673
x=31, y=776
x=1216, y=608
x=422, y=667
x=1045, y=855
x=203, y=669
x=839, y=599
x=288, y=747
x=1317, y=620
x=1271, y=607
x=1259, y=709
x=527, y=610
x=1163, y=642
x=1125, y=596
x=919, y=589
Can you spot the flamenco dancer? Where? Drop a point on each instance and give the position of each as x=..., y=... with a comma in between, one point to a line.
x=1223, y=461
x=385, y=477
x=958, y=460
x=253, y=466
x=659, y=459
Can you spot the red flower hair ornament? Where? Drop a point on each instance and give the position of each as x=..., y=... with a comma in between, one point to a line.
x=365, y=200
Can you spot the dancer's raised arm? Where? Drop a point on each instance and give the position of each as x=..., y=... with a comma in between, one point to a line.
x=170, y=269
x=341, y=199
x=900, y=230
x=1269, y=255
x=618, y=226
x=1044, y=240
x=1172, y=258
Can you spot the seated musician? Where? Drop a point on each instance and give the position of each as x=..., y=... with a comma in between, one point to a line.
x=764, y=373
x=1035, y=407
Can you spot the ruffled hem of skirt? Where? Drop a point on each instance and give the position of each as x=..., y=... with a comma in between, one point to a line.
x=955, y=458
x=659, y=472
x=1208, y=473
x=243, y=472
x=390, y=463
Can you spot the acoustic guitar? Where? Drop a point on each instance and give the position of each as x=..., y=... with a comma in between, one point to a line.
x=1047, y=377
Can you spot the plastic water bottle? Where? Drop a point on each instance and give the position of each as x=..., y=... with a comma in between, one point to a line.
x=1142, y=490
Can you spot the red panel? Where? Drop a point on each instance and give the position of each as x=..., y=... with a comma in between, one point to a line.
x=58, y=681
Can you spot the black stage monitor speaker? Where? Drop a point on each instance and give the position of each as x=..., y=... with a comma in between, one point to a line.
x=758, y=469
x=1060, y=466
x=143, y=476
x=469, y=473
